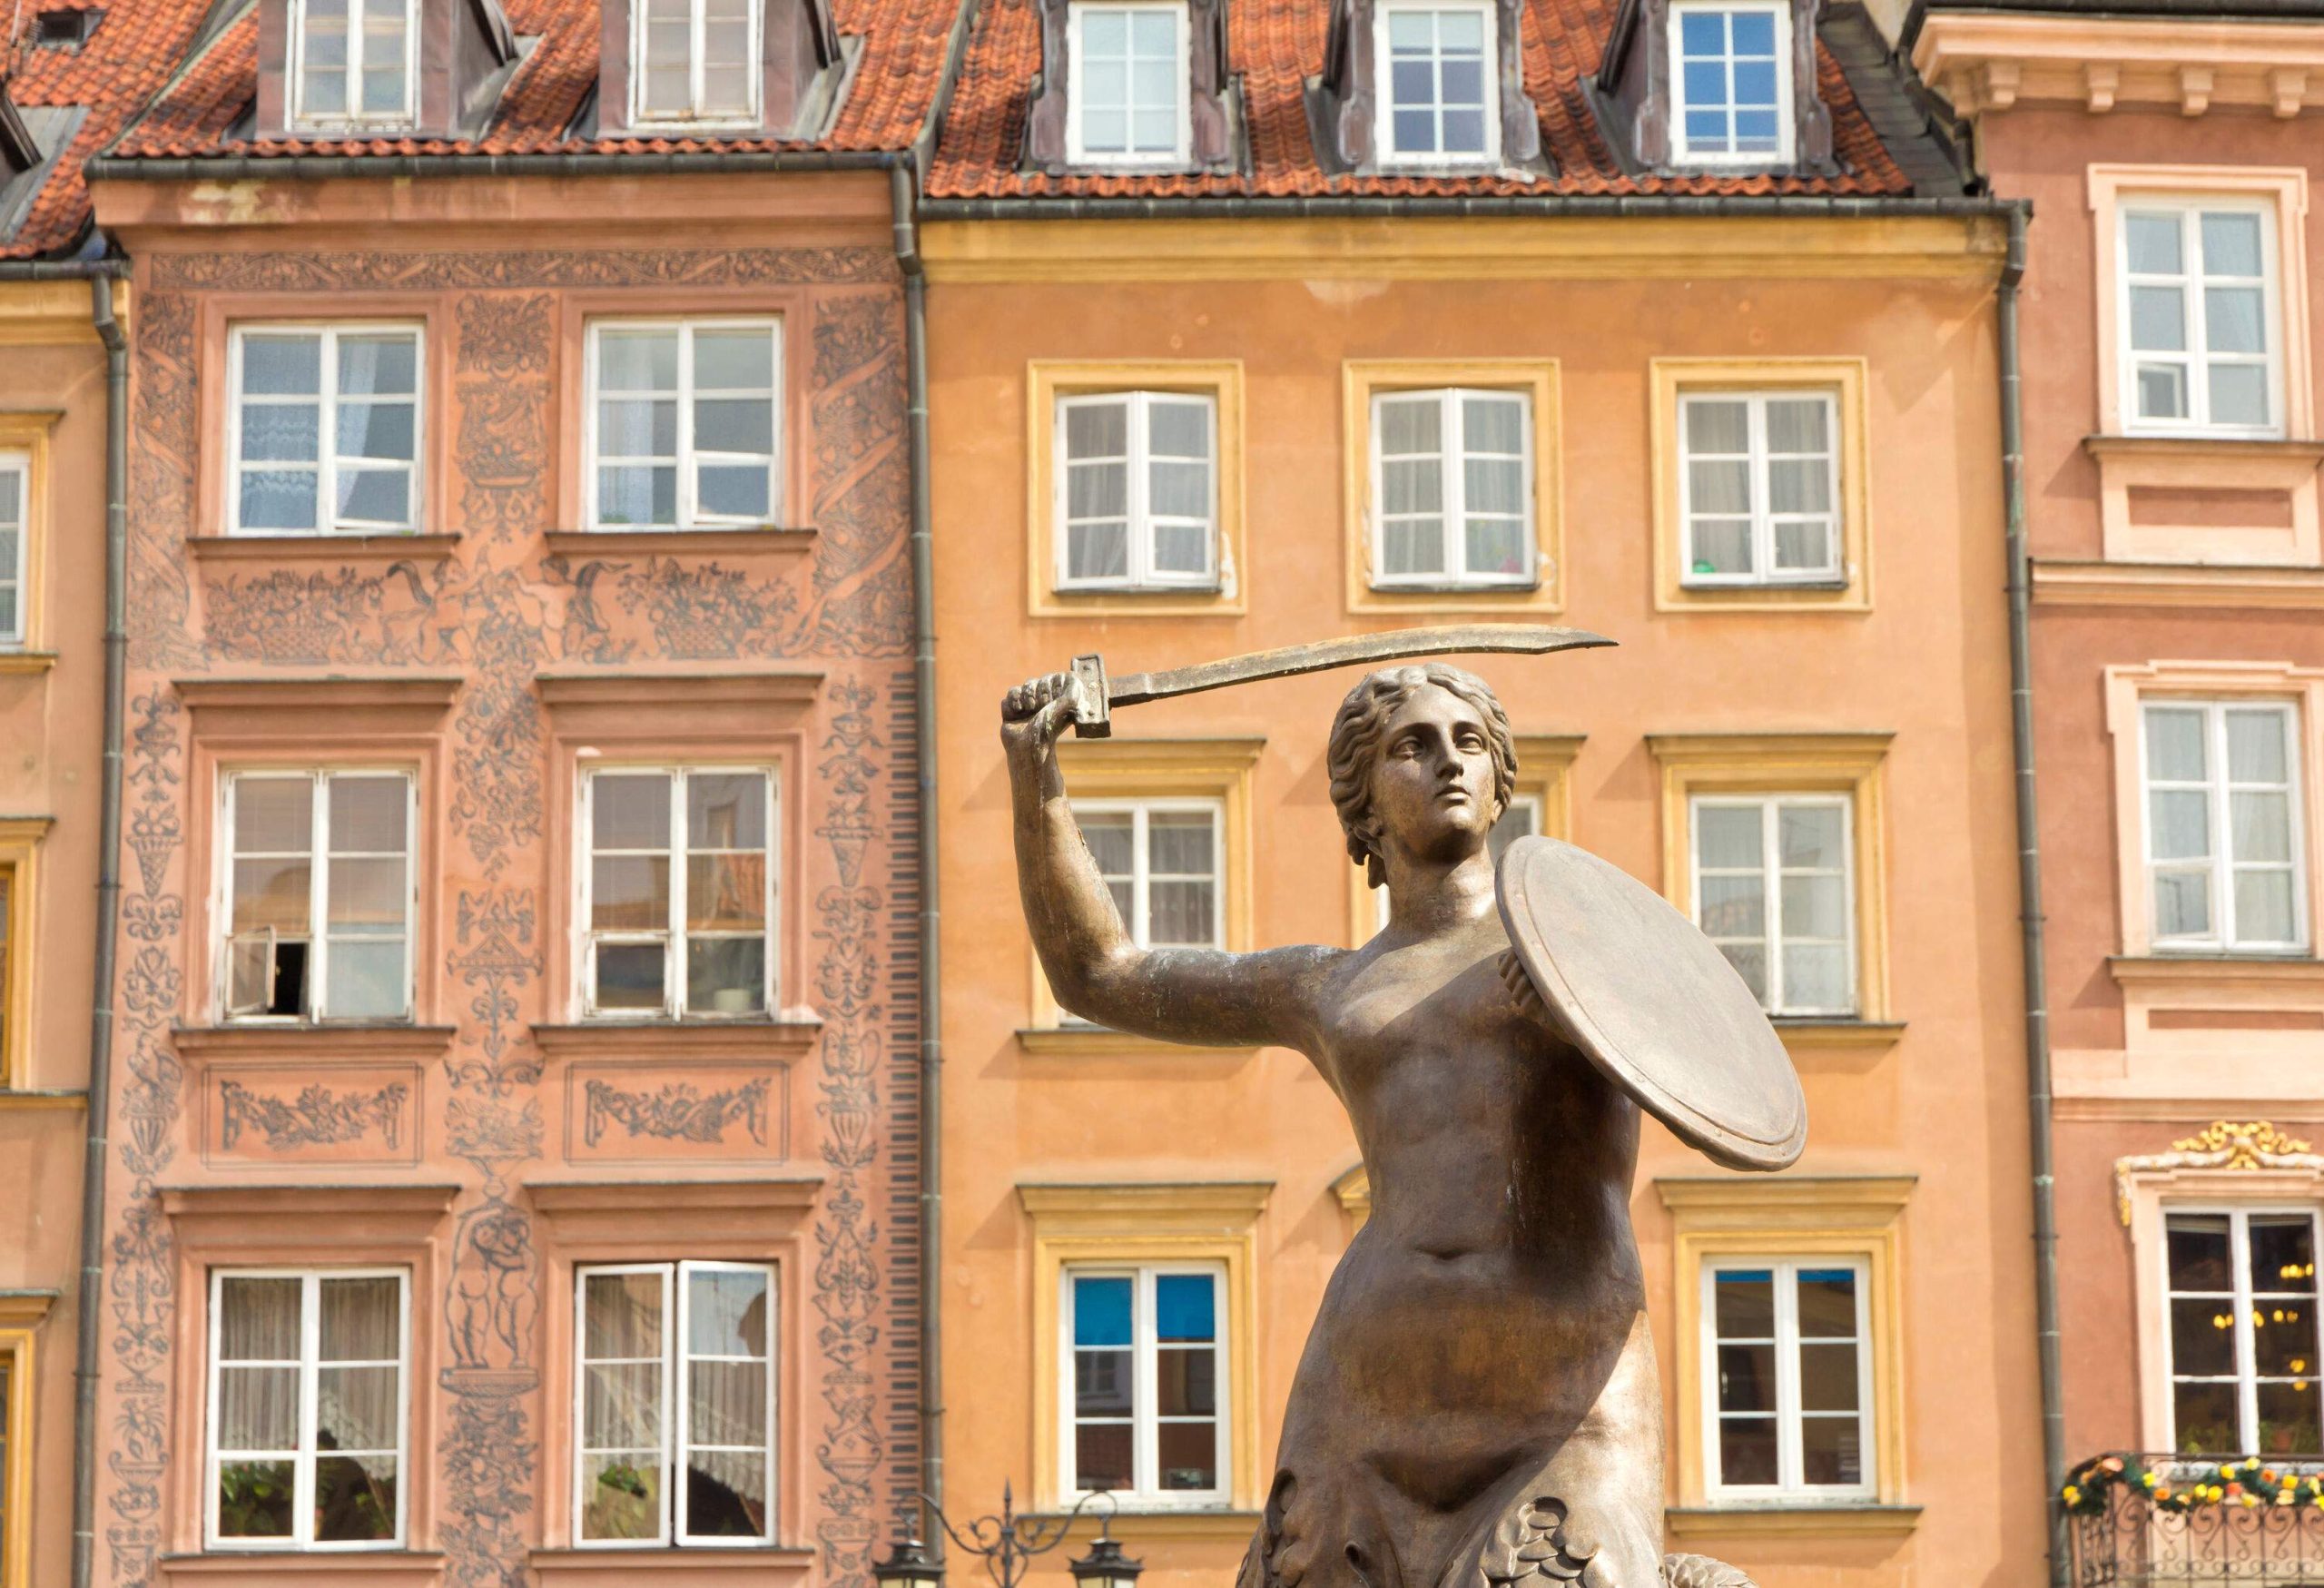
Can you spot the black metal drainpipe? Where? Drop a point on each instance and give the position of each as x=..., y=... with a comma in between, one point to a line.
x=87, y=1368
x=2039, y=1107
x=931, y=982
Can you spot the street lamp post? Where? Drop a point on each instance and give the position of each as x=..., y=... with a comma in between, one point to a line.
x=1009, y=1545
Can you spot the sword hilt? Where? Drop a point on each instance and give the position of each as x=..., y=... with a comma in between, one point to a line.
x=1093, y=717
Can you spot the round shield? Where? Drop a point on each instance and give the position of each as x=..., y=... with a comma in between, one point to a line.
x=1653, y=1003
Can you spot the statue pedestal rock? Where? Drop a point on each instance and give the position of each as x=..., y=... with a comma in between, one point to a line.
x=1478, y=1404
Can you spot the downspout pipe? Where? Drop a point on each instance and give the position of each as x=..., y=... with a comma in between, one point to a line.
x=88, y=1365
x=2039, y=1106
x=931, y=980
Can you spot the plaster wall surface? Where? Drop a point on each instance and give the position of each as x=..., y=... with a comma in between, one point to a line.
x=498, y=1137
x=53, y=406
x=1926, y=661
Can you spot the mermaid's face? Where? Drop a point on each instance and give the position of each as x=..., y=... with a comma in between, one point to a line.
x=1433, y=782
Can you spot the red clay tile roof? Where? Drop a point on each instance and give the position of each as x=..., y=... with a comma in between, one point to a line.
x=124, y=62
x=1276, y=45
x=887, y=102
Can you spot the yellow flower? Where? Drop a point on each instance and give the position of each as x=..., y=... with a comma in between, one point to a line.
x=2073, y=1495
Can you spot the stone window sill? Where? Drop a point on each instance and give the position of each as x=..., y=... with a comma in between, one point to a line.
x=752, y=542
x=1867, y=1520
x=322, y=1040
x=1812, y=1034
x=786, y=1036
x=1086, y=1041
x=318, y=547
x=309, y=1568
x=661, y=1564
x=1206, y=1522
x=25, y=661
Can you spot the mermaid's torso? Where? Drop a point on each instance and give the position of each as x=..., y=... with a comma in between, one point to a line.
x=1486, y=1329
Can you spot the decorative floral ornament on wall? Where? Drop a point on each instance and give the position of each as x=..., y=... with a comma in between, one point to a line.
x=2225, y=1145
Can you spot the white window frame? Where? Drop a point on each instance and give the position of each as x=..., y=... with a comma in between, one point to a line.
x=1771, y=873
x=690, y=515
x=1383, y=98
x=1764, y=570
x=1145, y=1492
x=1682, y=152
x=673, y=938
x=1077, y=152
x=14, y=572
x=697, y=21
x=1789, y=1486
x=1139, y=466
x=2222, y=864
x=327, y=455
x=677, y=1319
x=302, y=1508
x=319, y=890
x=1141, y=876
x=1452, y=433
x=2196, y=360
x=2247, y=1370
x=354, y=115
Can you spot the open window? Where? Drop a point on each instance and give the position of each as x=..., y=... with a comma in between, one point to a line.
x=319, y=895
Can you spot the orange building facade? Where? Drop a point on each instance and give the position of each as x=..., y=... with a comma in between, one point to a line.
x=1184, y=416
x=2171, y=450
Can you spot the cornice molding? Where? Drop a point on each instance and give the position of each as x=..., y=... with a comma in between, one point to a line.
x=1500, y=247
x=1985, y=62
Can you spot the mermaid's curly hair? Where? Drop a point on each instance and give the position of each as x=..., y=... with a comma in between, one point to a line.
x=1356, y=737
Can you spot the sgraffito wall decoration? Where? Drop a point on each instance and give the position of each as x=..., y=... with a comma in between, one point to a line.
x=485, y=602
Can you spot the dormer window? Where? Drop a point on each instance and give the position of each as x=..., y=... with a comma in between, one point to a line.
x=1435, y=107
x=1730, y=102
x=1128, y=62
x=1724, y=84
x=1140, y=84
x=352, y=63
x=696, y=62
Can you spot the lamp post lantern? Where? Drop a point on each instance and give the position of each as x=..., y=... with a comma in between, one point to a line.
x=1008, y=1544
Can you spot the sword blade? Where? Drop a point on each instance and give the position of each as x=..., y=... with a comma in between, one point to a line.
x=1349, y=651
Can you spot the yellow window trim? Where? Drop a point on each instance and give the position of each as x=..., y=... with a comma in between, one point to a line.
x=1544, y=771
x=20, y=1319
x=1046, y=380
x=1846, y=378
x=29, y=432
x=1201, y=1221
x=20, y=839
x=1362, y=380
x=1848, y=1216
x=1850, y=764
x=1159, y=769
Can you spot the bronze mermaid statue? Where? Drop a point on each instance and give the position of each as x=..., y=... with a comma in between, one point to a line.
x=1478, y=1404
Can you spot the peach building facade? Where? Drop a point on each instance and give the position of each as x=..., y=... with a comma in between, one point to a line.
x=1285, y=378
x=2171, y=454
x=514, y=1172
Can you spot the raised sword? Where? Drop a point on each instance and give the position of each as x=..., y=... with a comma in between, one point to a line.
x=1094, y=695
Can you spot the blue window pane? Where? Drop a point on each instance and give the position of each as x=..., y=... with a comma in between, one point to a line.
x=1707, y=129
x=1702, y=32
x=1101, y=1312
x=1843, y=1276
x=1755, y=82
x=1183, y=1307
x=1462, y=30
x=1464, y=82
x=1464, y=132
x=1706, y=82
x=1755, y=32
x=1411, y=82
x=1415, y=131
x=1755, y=131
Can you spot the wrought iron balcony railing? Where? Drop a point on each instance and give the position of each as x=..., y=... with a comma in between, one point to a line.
x=2152, y=1521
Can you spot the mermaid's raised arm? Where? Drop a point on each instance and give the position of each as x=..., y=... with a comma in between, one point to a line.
x=1096, y=969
